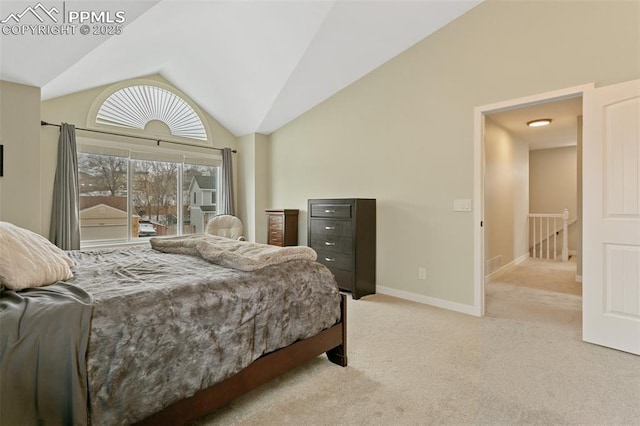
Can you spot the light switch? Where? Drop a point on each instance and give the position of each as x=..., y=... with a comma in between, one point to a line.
x=462, y=205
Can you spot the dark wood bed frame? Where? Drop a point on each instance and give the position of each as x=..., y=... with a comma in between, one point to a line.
x=333, y=341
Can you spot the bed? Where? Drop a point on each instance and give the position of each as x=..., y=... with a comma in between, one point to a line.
x=167, y=337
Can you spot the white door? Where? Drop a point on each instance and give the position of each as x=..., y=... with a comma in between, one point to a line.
x=611, y=217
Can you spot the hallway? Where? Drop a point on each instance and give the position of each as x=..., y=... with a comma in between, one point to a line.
x=537, y=290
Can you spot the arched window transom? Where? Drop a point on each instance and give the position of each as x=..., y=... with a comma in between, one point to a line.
x=136, y=106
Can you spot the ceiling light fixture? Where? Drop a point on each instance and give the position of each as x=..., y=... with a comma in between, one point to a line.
x=539, y=122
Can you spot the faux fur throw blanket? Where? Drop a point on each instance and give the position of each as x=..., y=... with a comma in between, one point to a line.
x=241, y=255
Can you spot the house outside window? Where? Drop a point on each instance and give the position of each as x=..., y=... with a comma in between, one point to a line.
x=206, y=186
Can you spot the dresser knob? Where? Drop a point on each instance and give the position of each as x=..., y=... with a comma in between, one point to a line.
x=327, y=243
x=330, y=228
x=329, y=259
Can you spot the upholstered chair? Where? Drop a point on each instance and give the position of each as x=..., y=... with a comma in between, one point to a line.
x=226, y=225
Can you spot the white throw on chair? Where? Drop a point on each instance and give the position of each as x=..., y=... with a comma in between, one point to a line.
x=226, y=225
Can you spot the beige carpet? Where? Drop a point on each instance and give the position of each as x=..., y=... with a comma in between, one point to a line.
x=411, y=364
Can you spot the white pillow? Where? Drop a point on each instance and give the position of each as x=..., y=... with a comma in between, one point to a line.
x=28, y=259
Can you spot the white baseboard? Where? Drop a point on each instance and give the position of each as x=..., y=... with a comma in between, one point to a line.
x=426, y=300
x=507, y=267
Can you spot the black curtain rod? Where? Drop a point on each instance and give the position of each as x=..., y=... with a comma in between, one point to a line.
x=156, y=140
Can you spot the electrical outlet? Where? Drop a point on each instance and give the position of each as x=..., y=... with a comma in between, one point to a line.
x=422, y=273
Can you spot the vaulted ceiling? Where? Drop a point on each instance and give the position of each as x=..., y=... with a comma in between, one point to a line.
x=252, y=65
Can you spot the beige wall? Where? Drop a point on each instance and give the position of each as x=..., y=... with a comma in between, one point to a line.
x=553, y=184
x=506, y=197
x=556, y=169
x=403, y=134
x=262, y=186
x=74, y=109
x=247, y=184
x=253, y=185
x=20, y=201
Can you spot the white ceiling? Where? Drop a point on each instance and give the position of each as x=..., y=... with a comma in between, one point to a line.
x=561, y=132
x=252, y=65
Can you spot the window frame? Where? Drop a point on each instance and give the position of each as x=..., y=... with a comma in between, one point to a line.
x=90, y=146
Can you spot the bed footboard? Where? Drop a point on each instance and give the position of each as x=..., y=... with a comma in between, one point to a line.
x=333, y=341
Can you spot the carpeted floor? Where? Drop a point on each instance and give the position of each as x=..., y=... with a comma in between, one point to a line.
x=411, y=364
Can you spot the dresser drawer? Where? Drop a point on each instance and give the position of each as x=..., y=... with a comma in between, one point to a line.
x=332, y=244
x=331, y=227
x=336, y=260
x=345, y=279
x=338, y=211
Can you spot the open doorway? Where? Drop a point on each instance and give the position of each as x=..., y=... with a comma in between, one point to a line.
x=531, y=184
x=610, y=227
x=502, y=174
x=530, y=215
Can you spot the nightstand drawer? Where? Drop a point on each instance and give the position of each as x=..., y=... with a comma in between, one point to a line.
x=276, y=222
x=331, y=227
x=277, y=233
x=332, y=244
x=282, y=227
x=336, y=260
x=275, y=241
x=338, y=211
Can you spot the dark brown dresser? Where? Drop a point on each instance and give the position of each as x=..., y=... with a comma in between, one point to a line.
x=343, y=233
x=283, y=227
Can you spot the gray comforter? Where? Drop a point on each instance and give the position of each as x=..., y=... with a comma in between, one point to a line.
x=166, y=325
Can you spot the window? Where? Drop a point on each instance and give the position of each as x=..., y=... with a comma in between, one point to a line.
x=136, y=106
x=154, y=195
x=127, y=195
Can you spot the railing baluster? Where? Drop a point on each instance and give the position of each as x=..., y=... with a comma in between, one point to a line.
x=547, y=238
x=565, y=237
x=555, y=238
x=540, y=250
x=537, y=225
x=533, y=221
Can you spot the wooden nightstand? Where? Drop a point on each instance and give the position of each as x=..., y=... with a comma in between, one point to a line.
x=283, y=227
